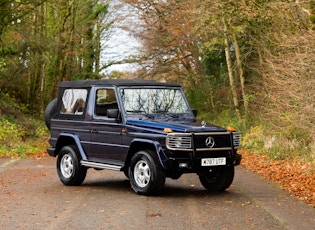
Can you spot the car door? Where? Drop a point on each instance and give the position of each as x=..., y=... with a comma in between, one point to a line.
x=106, y=133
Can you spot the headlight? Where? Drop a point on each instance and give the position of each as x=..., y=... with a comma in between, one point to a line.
x=178, y=142
x=237, y=138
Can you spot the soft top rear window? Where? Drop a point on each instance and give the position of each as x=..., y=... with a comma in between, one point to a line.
x=73, y=101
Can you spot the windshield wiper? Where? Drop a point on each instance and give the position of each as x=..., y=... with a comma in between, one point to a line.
x=168, y=114
x=172, y=115
x=148, y=115
x=135, y=111
x=141, y=112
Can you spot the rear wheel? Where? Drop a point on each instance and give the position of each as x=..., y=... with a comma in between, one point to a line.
x=146, y=175
x=218, y=179
x=69, y=169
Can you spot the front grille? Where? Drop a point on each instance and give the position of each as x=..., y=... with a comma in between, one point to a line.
x=219, y=141
x=215, y=141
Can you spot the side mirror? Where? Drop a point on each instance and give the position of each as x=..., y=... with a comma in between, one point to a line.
x=112, y=113
x=194, y=111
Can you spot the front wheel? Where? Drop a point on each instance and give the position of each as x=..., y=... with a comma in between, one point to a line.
x=69, y=169
x=146, y=175
x=218, y=179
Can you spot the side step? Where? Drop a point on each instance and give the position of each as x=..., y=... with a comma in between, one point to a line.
x=100, y=165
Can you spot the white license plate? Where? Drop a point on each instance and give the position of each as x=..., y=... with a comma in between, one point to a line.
x=213, y=161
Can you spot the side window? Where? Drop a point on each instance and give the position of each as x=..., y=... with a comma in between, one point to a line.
x=105, y=99
x=73, y=101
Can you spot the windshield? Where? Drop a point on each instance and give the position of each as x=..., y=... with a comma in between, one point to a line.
x=153, y=100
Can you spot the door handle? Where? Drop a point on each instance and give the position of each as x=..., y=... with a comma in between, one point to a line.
x=94, y=131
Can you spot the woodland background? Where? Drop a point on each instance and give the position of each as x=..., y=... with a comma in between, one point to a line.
x=243, y=63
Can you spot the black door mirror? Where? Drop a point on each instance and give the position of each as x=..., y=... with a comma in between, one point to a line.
x=112, y=113
x=194, y=111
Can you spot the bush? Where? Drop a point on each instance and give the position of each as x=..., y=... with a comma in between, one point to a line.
x=10, y=133
x=17, y=138
x=280, y=145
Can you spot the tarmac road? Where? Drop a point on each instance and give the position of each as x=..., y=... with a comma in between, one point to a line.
x=32, y=197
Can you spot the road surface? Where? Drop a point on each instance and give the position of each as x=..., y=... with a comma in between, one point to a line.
x=32, y=197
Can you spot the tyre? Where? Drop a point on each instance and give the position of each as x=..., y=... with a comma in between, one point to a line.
x=69, y=170
x=146, y=175
x=218, y=179
x=49, y=111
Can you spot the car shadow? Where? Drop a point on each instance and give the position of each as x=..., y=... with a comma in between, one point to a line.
x=170, y=189
x=113, y=184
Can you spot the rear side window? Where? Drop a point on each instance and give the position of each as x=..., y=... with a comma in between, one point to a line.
x=73, y=101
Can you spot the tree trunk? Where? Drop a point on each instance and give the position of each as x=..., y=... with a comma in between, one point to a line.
x=230, y=70
x=241, y=72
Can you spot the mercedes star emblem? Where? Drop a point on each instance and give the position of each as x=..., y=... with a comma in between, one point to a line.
x=210, y=142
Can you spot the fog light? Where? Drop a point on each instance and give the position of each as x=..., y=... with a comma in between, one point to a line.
x=183, y=165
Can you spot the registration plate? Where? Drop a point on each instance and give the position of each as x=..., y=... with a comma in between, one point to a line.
x=213, y=161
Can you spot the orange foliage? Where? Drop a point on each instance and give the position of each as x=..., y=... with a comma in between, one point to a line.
x=296, y=177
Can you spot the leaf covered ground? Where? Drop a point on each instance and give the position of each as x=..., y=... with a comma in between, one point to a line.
x=296, y=177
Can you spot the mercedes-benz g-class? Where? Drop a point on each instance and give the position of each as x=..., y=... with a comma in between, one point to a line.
x=145, y=129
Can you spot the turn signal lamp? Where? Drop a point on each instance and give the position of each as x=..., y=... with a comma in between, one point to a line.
x=230, y=128
x=168, y=130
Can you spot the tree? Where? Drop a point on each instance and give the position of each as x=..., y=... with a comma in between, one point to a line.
x=45, y=42
x=285, y=69
x=171, y=47
x=166, y=32
x=178, y=38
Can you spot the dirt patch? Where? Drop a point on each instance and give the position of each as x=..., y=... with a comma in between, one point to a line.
x=296, y=177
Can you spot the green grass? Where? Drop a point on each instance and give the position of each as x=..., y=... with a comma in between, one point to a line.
x=280, y=144
x=20, y=134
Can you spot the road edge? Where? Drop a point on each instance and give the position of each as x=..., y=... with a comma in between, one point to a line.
x=289, y=211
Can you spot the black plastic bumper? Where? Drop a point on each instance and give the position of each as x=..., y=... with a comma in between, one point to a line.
x=238, y=158
x=51, y=151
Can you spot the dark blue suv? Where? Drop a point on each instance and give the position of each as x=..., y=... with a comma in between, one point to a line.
x=145, y=129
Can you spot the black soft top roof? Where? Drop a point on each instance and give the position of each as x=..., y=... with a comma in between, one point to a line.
x=112, y=82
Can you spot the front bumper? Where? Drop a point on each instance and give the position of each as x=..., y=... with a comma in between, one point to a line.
x=237, y=159
x=193, y=165
x=51, y=151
